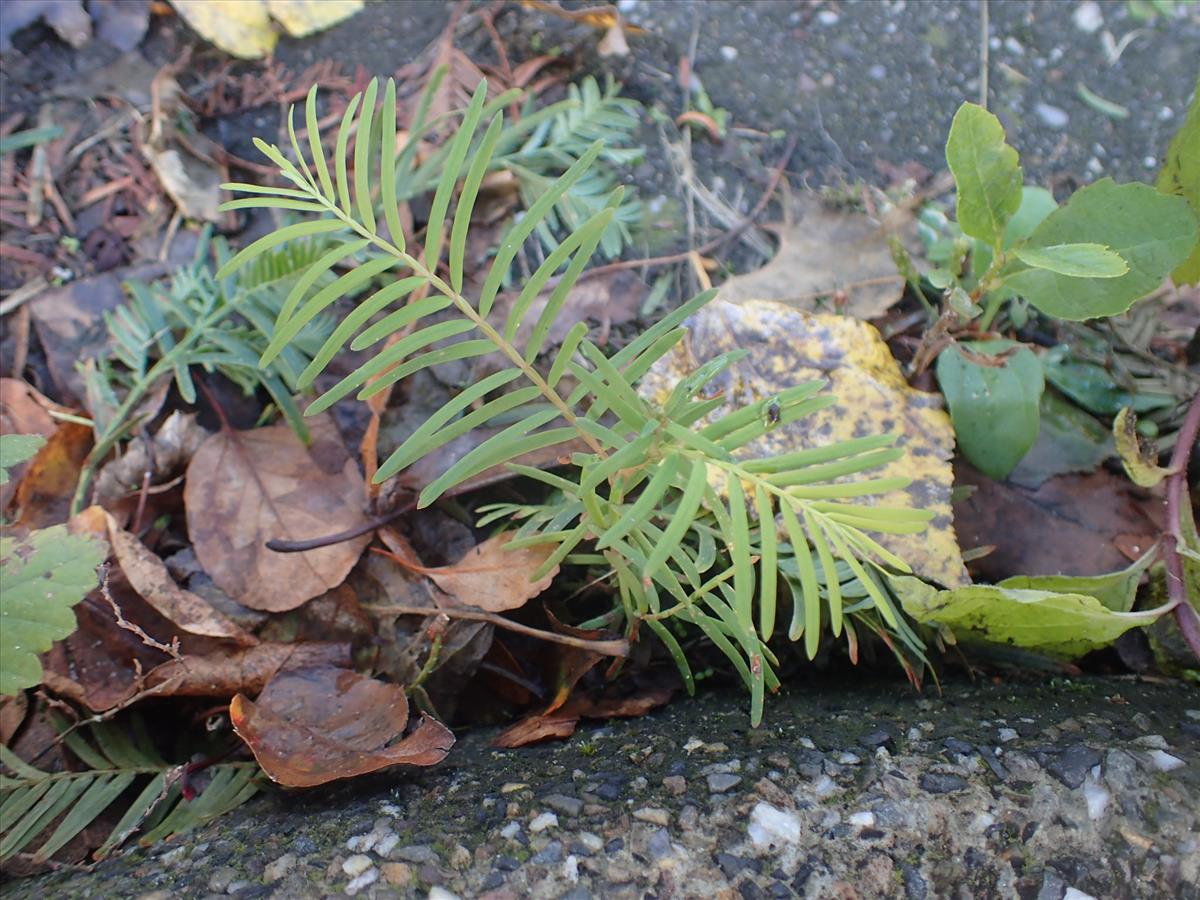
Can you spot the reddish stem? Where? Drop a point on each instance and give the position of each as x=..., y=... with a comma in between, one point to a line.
x=1177, y=496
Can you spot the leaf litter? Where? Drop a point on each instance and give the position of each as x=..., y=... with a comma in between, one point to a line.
x=281, y=642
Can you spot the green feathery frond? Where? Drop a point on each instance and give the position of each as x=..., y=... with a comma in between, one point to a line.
x=43, y=811
x=665, y=498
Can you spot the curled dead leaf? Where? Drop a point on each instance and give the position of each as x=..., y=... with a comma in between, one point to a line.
x=490, y=577
x=312, y=726
x=225, y=672
x=44, y=494
x=247, y=487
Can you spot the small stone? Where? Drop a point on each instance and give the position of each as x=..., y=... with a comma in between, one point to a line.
x=387, y=843
x=1152, y=742
x=512, y=787
x=280, y=867
x=357, y=864
x=304, y=845
x=543, y=821
x=1164, y=762
x=568, y=806
x=654, y=815
x=771, y=825
x=846, y=758
x=511, y=830
x=807, y=743
x=221, y=878
x=675, y=785
x=876, y=738
x=418, y=854
x=592, y=841
x=1076, y=894
x=437, y=892
x=731, y=864
x=507, y=863
x=722, y=782
x=823, y=786
x=1052, y=116
x=1097, y=797
x=548, y=855
x=570, y=869
x=659, y=844
x=1007, y=735
x=1088, y=17
x=937, y=783
x=954, y=745
x=827, y=17
x=396, y=872
x=729, y=53
x=1072, y=765
x=366, y=879
x=864, y=819
x=615, y=845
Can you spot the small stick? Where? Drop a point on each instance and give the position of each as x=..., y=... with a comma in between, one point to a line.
x=619, y=647
x=1177, y=498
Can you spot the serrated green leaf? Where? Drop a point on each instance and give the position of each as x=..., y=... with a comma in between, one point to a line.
x=1152, y=232
x=987, y=173
x=45, y=575
x=994, y=408
x=15, y=449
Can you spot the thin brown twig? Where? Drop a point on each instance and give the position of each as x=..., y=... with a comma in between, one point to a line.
x=716, y=242
x=172, y=649
x=618, y=647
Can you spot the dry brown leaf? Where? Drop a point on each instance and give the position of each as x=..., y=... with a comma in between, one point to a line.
x=246, y=487
x=822, y=252
x=490, y=577
x=23, y=410
x=312, y=726
x=44, y=494
x=148, y=576
x=225, y=672
x=175, y=442
x=561, y=723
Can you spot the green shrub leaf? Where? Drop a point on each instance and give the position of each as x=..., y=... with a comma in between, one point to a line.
x=1076, y=260
x=45, y=575
x=994, y=408
x=1062, y=624
x=1152, y=232
x=987, y=173
x=1180, y=175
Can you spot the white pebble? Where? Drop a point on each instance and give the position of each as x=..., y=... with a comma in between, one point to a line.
x=592, y=841
x=824, y=786
x=848, y=759
x=280, y=867
x=387, y=843
x=804, y=742
x=1088, y=17
x=1008, y=734
x=770, y=825
x=1150, y=162
x=543, y=821
x=511, y=830
x=626, y=5
x=1076, y=894
x=570, y=868
x=827, y=17
x=728, y=53
x=366, y=879
x=437, y=892
x=1052, y=116
x=1012, y=45
x=864, y=819
x=357, y=864
x=1165, y=762
x=1097, y=797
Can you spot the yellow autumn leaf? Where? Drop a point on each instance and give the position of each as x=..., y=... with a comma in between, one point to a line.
x=787, y=347
x=243, y=28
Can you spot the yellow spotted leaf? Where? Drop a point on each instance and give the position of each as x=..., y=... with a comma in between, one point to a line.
x=788, y=347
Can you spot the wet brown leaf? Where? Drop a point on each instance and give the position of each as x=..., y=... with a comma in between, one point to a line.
x=174, y=444
x=246, y=487
x=224, y=672
x=312, y=726
x=1069, y=525
x=821, y=252
x=44, y=494
x=490, y=577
